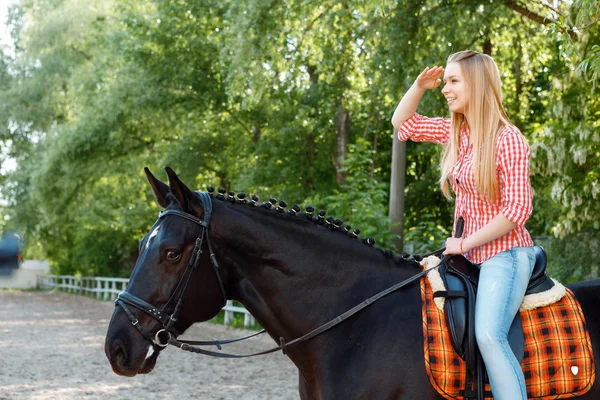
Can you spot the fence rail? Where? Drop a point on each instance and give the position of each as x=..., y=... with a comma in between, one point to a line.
x=108, y=288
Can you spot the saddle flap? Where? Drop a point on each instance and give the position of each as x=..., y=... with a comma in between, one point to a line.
x=516, y=338
x=465, y=267
x=456, y=309
x=460, y=311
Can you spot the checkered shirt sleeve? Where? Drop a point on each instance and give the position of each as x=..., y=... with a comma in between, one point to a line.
x=419, y=128
x=513, y=175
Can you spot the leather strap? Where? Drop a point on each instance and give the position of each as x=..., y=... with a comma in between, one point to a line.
x=185, y=345
x=217, y=342
x=128, y=298
x=450, y=293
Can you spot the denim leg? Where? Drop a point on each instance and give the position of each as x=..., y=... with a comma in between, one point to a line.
x=502, y=283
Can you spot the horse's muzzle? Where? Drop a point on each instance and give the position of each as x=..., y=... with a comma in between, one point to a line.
x=126, y=349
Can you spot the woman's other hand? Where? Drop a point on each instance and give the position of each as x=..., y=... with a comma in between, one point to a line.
x=453, y=246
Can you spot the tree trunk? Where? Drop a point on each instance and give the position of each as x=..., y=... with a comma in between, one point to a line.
x=397, y=184
x=343, y=118
x=341, y=145
x=517, y=64
x=487, y=46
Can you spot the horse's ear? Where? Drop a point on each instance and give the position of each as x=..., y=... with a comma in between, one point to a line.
x=181, y=192
x=159, y=188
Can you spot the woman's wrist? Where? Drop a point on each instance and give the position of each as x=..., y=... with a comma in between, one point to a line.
x=465, y=245
x=416, y=85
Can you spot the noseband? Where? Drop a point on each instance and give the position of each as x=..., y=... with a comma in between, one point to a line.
x=168, y=320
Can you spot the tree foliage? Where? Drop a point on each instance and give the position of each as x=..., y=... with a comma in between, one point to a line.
x=254, y=95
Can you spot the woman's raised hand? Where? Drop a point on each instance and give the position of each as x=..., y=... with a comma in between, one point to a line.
x=430, y=78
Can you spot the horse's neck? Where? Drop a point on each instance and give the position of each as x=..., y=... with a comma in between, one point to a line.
x=294, y=277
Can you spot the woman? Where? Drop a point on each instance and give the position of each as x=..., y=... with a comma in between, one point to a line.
x=486, y=162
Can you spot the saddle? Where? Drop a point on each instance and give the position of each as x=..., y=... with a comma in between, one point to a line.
x=460, y=277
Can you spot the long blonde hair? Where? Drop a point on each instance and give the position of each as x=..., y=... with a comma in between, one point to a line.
x=486, y=116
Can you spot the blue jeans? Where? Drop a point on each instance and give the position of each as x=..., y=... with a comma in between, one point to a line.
x=502, y=283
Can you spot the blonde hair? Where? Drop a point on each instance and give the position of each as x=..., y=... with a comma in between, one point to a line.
x=486, y=116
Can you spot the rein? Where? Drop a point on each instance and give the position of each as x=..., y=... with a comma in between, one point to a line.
x=188, y=345
x=167, y=321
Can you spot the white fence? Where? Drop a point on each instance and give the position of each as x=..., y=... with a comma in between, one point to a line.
x=108, y=289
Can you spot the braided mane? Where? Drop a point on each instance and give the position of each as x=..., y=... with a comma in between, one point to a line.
x=333, y=224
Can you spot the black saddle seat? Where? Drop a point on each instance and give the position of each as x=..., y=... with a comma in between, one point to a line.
x=538, y=283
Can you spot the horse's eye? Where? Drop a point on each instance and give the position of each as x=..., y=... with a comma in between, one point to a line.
x=173, y=255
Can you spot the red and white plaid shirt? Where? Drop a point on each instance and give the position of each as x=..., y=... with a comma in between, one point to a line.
x=512, y=166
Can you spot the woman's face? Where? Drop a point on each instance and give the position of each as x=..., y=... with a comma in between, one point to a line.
x=455, y=89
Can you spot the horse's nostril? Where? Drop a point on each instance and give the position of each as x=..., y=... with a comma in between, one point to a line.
x=118, y=354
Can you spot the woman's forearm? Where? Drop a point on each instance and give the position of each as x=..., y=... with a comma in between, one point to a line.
x=497, y=227
x=428, y=79
x=408, y=105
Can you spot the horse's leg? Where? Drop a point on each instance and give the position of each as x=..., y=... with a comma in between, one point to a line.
x=379, y=356
x=588, y=295
x=306, y=391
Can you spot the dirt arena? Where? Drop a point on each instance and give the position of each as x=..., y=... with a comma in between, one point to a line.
x=52, y=347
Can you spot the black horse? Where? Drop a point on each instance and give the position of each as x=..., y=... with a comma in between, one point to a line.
x=293, y=275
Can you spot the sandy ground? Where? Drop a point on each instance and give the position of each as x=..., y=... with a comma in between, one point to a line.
x=52, y=347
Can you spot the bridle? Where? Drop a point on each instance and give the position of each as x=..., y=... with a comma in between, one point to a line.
x=168, y=332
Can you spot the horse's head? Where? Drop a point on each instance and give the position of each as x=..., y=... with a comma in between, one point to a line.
x=168, y=271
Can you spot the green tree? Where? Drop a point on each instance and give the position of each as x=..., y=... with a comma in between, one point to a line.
x=283, y=99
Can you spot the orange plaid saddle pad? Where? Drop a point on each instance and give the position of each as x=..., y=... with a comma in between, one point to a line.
x=558, y=361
